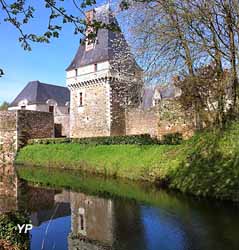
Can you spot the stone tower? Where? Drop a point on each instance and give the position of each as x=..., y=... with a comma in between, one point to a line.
x=104, y=79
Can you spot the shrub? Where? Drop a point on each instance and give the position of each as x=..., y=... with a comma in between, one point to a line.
x=172, y=139
x=144, y=139
x=9, y=231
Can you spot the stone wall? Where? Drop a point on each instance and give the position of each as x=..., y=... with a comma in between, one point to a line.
x=8, y=136
x=158, y=121
x=16, y=127
x=33, y=125
x=117, y=109
x=172, y=119
x=64, y=121
x=93, y=117
x=139, y=121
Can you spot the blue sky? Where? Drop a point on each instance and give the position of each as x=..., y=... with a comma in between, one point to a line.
x=46, y=62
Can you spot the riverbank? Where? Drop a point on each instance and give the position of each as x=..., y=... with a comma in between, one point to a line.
x=205, y=165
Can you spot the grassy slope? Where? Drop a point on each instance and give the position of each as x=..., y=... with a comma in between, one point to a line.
x=207, y=164
x=127, y=161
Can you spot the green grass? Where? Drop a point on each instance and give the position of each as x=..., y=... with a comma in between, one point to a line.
x=127, y=161
x=205, y=165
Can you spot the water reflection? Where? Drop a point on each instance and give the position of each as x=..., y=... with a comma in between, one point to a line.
x=70, y=220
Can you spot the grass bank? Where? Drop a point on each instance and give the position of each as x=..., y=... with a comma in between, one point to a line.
x=205, y=165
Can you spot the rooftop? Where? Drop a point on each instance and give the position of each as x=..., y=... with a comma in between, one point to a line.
x=37, y=92
x=108, y=44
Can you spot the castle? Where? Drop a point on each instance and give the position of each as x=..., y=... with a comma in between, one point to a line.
x=105, y=94
x=102, y=77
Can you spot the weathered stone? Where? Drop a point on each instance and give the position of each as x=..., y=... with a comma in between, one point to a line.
x=141, y=121
x=17, y=127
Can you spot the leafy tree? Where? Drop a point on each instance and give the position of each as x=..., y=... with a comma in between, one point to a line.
x=19, y=13
x=4, y=106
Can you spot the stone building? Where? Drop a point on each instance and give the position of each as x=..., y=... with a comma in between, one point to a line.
x=105, y=94
x=38, y=96
x=159, y=113
x=104, y=79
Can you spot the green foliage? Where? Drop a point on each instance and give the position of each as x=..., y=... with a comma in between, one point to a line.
x=126, y=161
x=172, y=138
x=109, y=140
x=211, y=165
x=9, y=231
x=4, y=106
x=20, y=13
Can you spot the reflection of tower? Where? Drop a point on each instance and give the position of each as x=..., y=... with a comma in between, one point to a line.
x=92, y=222
x=8, y=188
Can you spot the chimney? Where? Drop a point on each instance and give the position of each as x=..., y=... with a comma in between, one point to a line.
x=90, y=14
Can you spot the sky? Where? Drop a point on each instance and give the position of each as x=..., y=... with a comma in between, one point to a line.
x=46, y=62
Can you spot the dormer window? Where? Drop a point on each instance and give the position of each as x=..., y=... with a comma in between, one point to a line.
x=23, y=107
x=51, y=109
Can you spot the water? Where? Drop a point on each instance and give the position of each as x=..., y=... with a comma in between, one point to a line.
x=153, y=220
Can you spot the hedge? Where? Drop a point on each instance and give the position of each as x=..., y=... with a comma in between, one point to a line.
x=172, y=139
x=144, y=139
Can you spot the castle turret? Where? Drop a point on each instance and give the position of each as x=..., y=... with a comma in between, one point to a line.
x=103, y=78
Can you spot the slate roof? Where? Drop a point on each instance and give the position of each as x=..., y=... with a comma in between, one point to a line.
x=37, y=92
x=166, y=92
x=107, y=45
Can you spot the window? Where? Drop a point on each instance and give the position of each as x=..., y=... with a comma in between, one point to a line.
x=76, y=72
x=23, y=107
x=80, y=99
x=51, y=109
x=95, y=67
x=68, y=110
x=82, y=226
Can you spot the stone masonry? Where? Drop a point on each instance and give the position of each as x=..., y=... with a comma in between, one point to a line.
x=172, y=119
x=141, y=121
x=93, y=117
x=17, y=127
x=165, y=118
x=8, y=136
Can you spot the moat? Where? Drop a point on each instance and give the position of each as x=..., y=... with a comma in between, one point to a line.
x=88, y=219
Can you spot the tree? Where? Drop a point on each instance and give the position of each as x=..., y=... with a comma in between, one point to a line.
x=205, y=86
x=19, y=13
x=182, y=36
x=4, y=106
